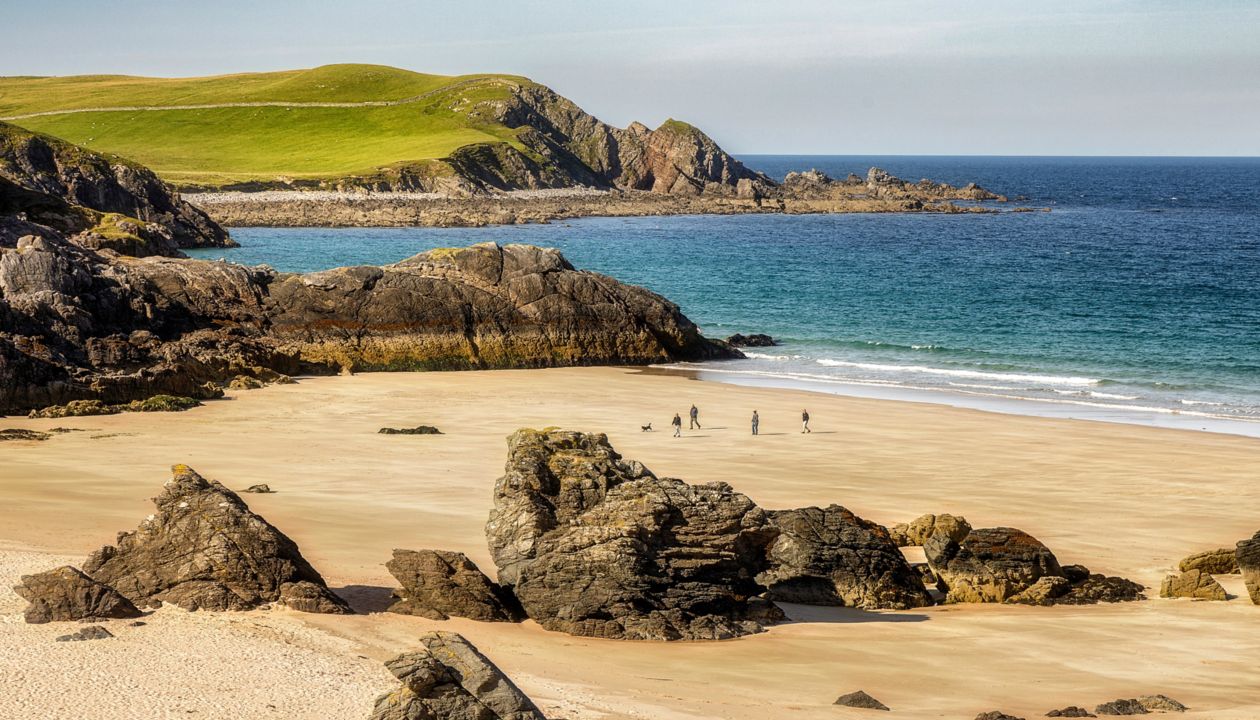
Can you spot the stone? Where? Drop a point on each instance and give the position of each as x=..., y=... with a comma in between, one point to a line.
x=1248, y=556
x=451, y=680
x=1122, y=707
x=75, y=408
x=205, y=550
x=1045, y=591
x=65, y=593
x=832, y=557
x=1161, y=703
x=437, y=584
x=91, y=632
x=261, y=489
x=418, y=430
x=753, y=340
x=996, y=715
x=1195, y=584
x=922, y=528
x=1213, y=562
x=1098, y=588
x=592, y=544
x=19, y=434
x=860, y=699
x=245, y=382
x=989, y=565
x=1071, y=711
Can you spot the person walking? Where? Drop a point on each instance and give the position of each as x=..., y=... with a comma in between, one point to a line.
x=756, y=421
x=805, y=422
x=677, y=423
x=695, y=418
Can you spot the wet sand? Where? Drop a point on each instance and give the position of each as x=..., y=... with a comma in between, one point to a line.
x=1121, y=499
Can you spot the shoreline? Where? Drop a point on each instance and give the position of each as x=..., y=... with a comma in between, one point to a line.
x=1024, y=407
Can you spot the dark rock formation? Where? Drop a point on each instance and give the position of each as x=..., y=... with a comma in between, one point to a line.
x=861, y=700
x=113, y=202
x=1071, y=711
x=1194, y=584
x=989, y=565
x=262, y=489
x=753, y=340
x=1248, y=556
x=204, y=550
x=1046, y=591
x=437, y=584
x=922, y=528
x=19, y=434
x=449, y=679
x=67, y=594
x=1096, y=588
x=832, y=557
x=1161, y=703
x=1213, y=562
x=1121, y=707
x=996, y=715
x=81, y=408
x=418, y=430
x=91, y=632
x=595, y=545
x=76, y=324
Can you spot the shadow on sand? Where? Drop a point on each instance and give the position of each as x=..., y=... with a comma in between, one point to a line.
x=819, y=614
x=365, y=599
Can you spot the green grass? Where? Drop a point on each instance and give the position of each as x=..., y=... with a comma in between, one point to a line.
x=213, y=147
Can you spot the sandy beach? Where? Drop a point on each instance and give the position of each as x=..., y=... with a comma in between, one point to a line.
x=1122, y=499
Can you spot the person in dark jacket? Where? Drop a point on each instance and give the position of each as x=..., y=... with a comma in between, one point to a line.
x=677, y=423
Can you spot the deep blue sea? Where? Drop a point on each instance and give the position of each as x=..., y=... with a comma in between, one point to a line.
x=1136, y=298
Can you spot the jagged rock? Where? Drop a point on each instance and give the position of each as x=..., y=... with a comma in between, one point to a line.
x=91, y=632
x=1213, y=562
x=860, y=699
x=753, y=340
x=1045, y=591
x=989, y=565
x=163, y=403
x=437, y=584
x=1122, y=707
x=245, y=382
x=1071, y=711
x=1096, y=588
x=595, y=545
x=418, y=430
x=832, y=557
x=1161, y=703
x=1248, y=556
x=1195, y=584
x=19, y=434
x=922, y=528
x=67, y=594
x=262, y=488
x=451, y=680
x=76, y=408
x=204, y=550
x=996, y=715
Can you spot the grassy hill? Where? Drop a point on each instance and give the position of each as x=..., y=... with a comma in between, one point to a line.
x=409, y=118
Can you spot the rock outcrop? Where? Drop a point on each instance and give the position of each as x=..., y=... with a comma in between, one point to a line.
x=989, y=564
x=65, y=593
x=595, y=545
x=418, y=430
x=1213, y=562
x=204, y=550
x=1071, y=711
x=437, y=584
x=450, y=679
x=996, y=715
x=1195, y=584
x=753, y=340
x=91, y=632
x=113, y=202
x=1248, y=556
x=832, y=557
x=922, y=528
x=860, y=699
x=78, y=324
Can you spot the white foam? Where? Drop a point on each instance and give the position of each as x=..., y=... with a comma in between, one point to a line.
x=978, y=374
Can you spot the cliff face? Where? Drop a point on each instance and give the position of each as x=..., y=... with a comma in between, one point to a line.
x=127, y=207
x=76, y=323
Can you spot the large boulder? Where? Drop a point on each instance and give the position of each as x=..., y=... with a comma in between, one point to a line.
x=832, y=557
x=1248, y=555
x=922, y=528
x=437, y=584
x=65, y=593
x=1194, y=584
x=989, y=565
x=451, y=680
x=595, y=545
x=1223, y=561
x=204, y=550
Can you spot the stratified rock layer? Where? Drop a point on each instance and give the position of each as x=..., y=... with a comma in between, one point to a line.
x=832, y=557
x=450, y=680
x=437, y=584
x=1213, y=562
x=65, y=593
x=204, y=550
x=595, y=545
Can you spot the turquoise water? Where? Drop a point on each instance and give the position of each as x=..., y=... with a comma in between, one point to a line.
x=1136, y=298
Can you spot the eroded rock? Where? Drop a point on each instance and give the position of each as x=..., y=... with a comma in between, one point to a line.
x=861, y=700
x=66, y=593
x=1195, y=584
x=1213, y=562
x=989, y=565
x=91, y=632
x=437, y=584
x=1122, y=707
x=20, y=434
x=922, y=528
x=1071, y=711
x=996, y=715
x=418, y=430
x=1248, y=556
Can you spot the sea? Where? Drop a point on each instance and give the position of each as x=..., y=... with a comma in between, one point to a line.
x=1135, y=298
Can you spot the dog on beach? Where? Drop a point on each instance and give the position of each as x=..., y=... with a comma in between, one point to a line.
x=646, y=428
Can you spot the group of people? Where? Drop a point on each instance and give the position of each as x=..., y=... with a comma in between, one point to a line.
x=756, y=422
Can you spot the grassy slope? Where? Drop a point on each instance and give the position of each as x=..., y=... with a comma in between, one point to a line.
x=224, y=145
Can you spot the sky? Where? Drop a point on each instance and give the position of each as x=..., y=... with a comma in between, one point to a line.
x=982, y=77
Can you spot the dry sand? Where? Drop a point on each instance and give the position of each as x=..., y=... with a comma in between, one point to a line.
x=1121, y=499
